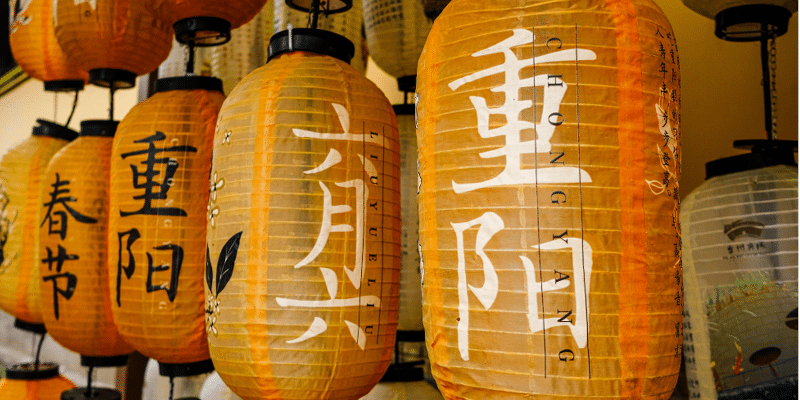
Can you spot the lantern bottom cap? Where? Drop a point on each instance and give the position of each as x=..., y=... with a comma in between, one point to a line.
x=54, y=130
x=107, y=361
x=404, y=372
x=108, y=77
x=31, y=372
x=63, y=86
x=202, y=31
x=329, y=7
x=97, y=394
x=751, y=22
x=407, y=84
x=195, y=82
x=30, y=326
x=185, y=369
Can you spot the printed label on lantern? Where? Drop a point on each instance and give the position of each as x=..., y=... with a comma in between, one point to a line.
x=564, y=255
x=366, y=273
x=56, y=217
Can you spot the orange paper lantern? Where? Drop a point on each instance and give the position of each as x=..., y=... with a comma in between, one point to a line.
x=157, y=222
x=25, y=382
x=115, y=40
x=36, y=50
x=549, y=163
x=21, y=172
x=304, y=244
x=76, y=299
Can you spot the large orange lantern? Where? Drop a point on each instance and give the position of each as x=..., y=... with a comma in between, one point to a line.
x=76, y=300
x=157, y=222
x=549, y=162
x=303, y=241
x=34, y=382
x=115, y=40
x=21, y=172
x=396, y=32
x=36, y=50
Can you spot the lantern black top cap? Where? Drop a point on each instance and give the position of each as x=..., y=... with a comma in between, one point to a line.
x=325, y=6
x=311, y=40
x=97, y=394
x=99, y=127
x=30, y=372
x=764, y=153
x=202, y=31
x=54, y=130
x=752, y=22
x=191, y=82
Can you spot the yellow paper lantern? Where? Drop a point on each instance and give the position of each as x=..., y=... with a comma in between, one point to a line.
x=303, y=259
x=26, y=382
x=246, y=51
x=396, y=32
x=347, y=23
x=73, y=255
x=115, y=40
x=21, y=172
x=36, y=50
x=157, y=222
x=549, y=162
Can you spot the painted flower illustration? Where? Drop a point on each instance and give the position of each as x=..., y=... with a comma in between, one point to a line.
x=225, y=264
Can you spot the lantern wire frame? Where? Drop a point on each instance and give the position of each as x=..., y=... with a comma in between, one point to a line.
x=315, y=7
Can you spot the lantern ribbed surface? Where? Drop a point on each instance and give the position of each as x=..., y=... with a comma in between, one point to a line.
x=35, y=48
x=347, y=24
x=740, y=259
x=48, y=387
x=304, y=244
x=21, y=172
x=76, y=298
x=112, y=34
x=157, y=223
x=549, y=160
x=246, y=51
x=396, y=32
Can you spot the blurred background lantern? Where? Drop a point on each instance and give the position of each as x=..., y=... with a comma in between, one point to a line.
x=36, y=50
x=33, y=382
x=346, y=21
x=157, y=222
x=207, y=22
x=396, y=32
x=433, y=8
x=246, y=51
x=21, y=183
x=76, y=299
x=549, y=161
x=115, y=40
x=304, y=246
x=740, y=260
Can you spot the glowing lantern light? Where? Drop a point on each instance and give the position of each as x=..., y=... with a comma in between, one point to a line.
x=396, y=32
x=246, y=51
x=21, y=173
x=303, y=259
x=33, y=43
x=73, y=250
x=115, y=40
x=740, y=259
x=157, y=222
x=549, y=162
x=28, y=382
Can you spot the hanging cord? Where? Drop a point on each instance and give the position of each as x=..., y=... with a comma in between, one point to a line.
x=89, y=392
x=190, y=62
x=111, y=101
x=38, y=353
x=765, y=72
x=171, y=386
x=74, y=105
x=773, y=66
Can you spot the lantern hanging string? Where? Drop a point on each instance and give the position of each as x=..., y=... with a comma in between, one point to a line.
x=111, y=101
x=770, y=116
x=89, y=393
x=74, y=105
x=171, y=386
x=190, y=62
x=38, y=352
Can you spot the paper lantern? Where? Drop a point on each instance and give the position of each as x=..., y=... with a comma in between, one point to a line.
x=396, y=32
x=115, y=40
x=26, y=382
x=157, y=222
x=36, y=50
x=549, y=160
x=207, y=22
x=246, y=51
x=346, y=23
x=304, y=246
x=76, y=299
x=21, y=172
x=740, y=260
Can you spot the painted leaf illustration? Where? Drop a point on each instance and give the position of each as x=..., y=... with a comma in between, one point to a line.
x=209, y=271
x=227, y=257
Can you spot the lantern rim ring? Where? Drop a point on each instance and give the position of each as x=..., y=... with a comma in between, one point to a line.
x=316, y=41
x=64, y=86
x=404, y=372
x=104, y=361
x=405, y=109
x=202, y=31
x=28, y=371
x=108, y=77
x=306, y=5
x=185, y=369
x=190, y=82
x=407, y=84
x=53, y=130
x=765, y=153
x=774, y=18
x=97, y=394
x=98, y=127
